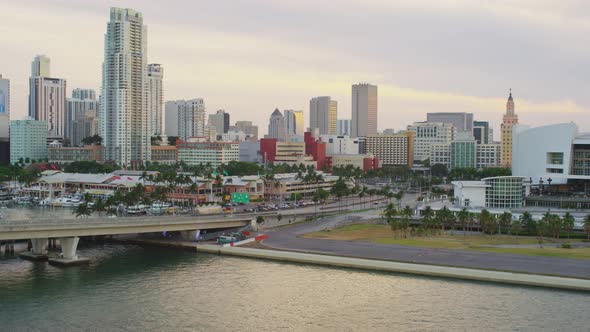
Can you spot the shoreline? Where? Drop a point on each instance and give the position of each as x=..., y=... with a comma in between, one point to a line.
x=473, y=274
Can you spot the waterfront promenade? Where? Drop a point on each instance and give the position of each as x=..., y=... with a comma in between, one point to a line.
x=290, y=238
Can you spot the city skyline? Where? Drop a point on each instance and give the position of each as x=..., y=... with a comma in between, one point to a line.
x=287, y=81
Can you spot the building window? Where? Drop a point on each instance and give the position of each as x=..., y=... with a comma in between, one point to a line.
x=555, y=170
x=555, y=158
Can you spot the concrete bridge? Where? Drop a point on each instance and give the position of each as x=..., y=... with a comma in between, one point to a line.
x=69, y=231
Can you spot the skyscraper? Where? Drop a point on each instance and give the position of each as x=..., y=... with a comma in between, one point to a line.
x=323, y=113
x=124, y=120
x=47, y=97
x=4, y=95
x=80, y=116
x=299, y=123
x=364, y=110
x=155, y=74
x=219, y=120
x=293, y=122
x=185, y=118
x=276, y=126
x=508, y=121
x=481, y=132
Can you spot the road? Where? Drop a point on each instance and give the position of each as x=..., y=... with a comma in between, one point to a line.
x=289, y=238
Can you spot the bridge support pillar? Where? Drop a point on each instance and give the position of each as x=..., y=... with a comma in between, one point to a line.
x=68, y=256
x=38, y=251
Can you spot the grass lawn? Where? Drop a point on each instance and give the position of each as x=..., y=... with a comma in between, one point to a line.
x=382, y=234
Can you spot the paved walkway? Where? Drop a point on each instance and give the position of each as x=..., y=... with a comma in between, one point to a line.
x=288, y=238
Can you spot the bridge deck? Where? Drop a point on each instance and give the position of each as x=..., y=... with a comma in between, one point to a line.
x=45, y=228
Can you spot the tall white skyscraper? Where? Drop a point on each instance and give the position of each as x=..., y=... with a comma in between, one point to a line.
x=276, y=126
x=155, y=74
x=323, y=113
x=47, y=97
x=186, y=118
x=364, y=110
x=124, y=121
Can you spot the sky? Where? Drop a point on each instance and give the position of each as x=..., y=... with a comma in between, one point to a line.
x=252, y=56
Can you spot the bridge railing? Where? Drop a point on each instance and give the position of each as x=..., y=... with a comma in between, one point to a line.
x=118, y=220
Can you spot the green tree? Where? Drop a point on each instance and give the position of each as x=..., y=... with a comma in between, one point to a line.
x=527, y=221
x=439, y=170
x=568, y=223
x=504, y=221
x=428, y=218
x=399, y=195
x=391, y=217
x=82, y=210
x=99, y=206
x=516, y=227
x=587, y=226
x=463, y=217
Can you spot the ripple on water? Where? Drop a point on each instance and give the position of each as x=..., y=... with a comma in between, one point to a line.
x=129, y=287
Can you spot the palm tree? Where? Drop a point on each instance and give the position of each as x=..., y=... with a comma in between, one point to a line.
x=515, y=227
x=527, y=221
x=390, y=216
x=568, y=223
x=399, y=196
x=463, y=216
x=406, y=214
x=504, y=221
x=99, y=206
x=82, y=210
x=427, y=217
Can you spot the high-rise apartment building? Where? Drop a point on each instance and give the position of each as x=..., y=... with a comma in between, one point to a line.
x=508, y=121
x=427, y=134
x=81, y=116
x=461, y=120
x=124, y=121
x=47, y=97
x=28, y=141
x=323, y=114
x=155, y=97
x=364, y=110
x=219, y=120
x=395, y=149
x=276, y=126
x=186, y=118
x=343, y=127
